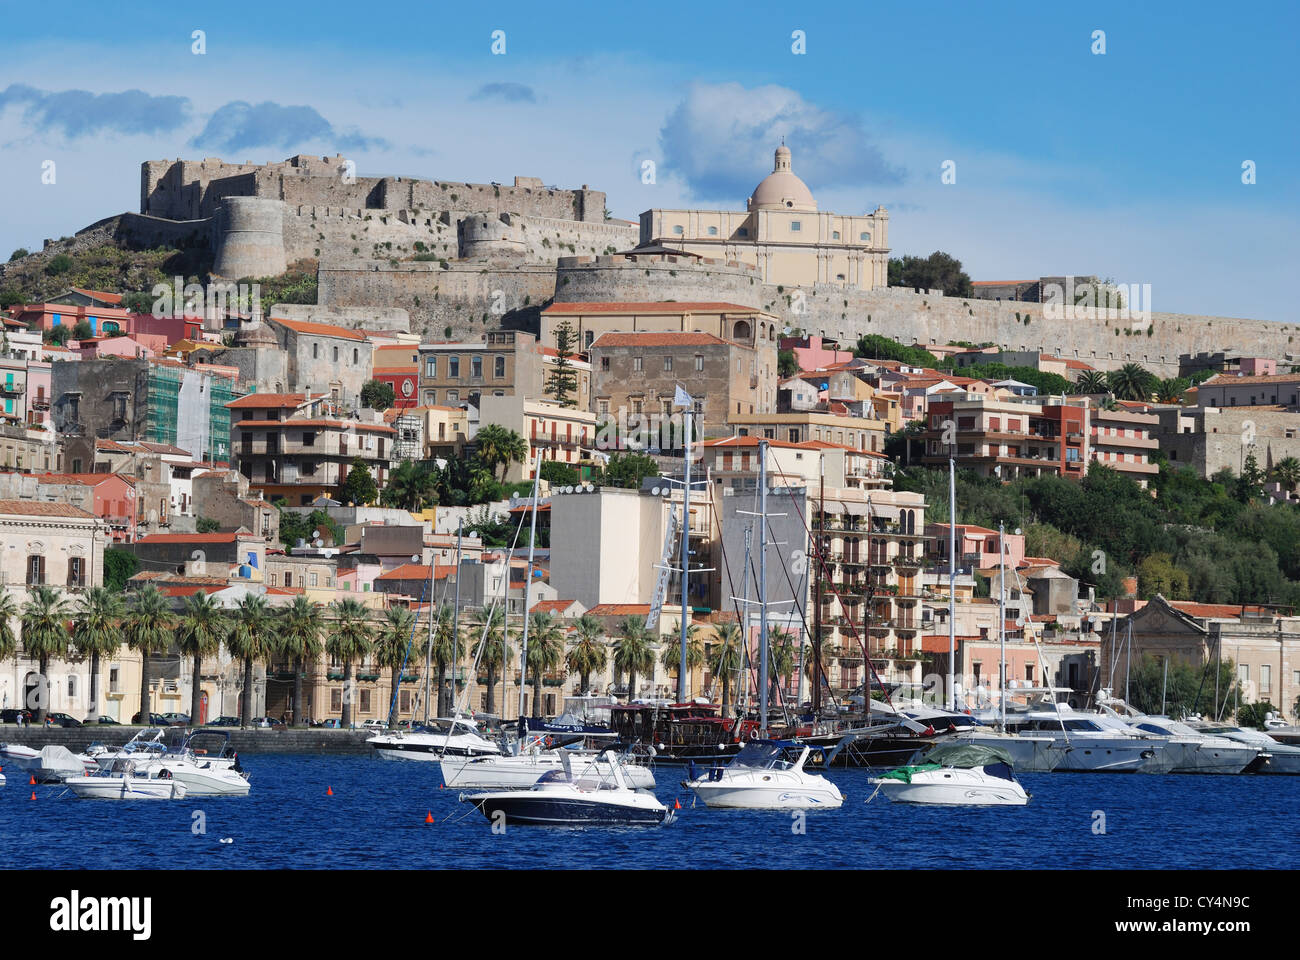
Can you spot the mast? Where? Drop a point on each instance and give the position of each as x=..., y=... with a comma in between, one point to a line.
x=742, y=677
x=762, y=588
x=1002, y=628
x=528, y=584
x=817, y=592
x=455, y=612
x=428, y=649
x=686, y=561
x=1128, y=659
x=952, y=581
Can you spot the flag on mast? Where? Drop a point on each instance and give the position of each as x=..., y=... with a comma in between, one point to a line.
x=682, y=399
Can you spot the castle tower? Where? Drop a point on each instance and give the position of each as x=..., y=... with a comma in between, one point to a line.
x=249, y=238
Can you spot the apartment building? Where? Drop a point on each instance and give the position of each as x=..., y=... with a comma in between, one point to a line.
x=1124, y=440
x=562, y=434
x=505, y=363
x=1008, y=438
x=858, y=433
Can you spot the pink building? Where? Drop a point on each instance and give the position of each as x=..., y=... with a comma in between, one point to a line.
x=976, y=546
x=812, y=353
x=111, y=347
x=38, y=394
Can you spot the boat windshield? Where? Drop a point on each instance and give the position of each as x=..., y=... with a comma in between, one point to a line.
x=764, y=755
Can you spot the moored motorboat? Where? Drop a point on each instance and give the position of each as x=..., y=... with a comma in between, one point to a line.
x=453, y=736
x=50, y=764
x=520, y=771
x=1274, y=757
x=956, y=774
x=128, y=779
x=559, y=798
x=760, y=777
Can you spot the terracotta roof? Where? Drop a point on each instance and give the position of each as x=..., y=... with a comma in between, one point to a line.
x=650, y=306
x=526, y=507
x=1040, y=562
x=267, y=401
x=649, y=339
x=828, y=445
x=189, y=538
x=342, y=424
x=552, y=606
x=620, y=609
x=417, y=571
x=189, y=591
x=320, y=329
x=730, y=442
x=85, y=479
x=1230, y=611
x=38, y=508
x=1227, y=379
x=99, y=295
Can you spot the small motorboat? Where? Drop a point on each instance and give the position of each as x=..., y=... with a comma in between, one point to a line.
x=128, y=779
x=955, y=774
x=50, y=764
x=760, y=777
x=599, y=797
x=453, y=736
x=520, y=771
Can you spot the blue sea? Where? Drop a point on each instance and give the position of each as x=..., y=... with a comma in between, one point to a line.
x=376, y=819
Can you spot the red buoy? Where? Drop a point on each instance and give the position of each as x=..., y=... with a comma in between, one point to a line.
x=329, y=791
x=429, y=818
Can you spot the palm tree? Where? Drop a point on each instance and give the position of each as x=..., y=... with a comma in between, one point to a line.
x=301, y=627
x=1286, y=472
x=545, y=651
x=810, y=666
x=671, y=656
x=148, y=631
x=1171, y=390
x=443, y=652
x=724, y=659
x=45, y=635
x=633, y=652
x=349, y=641
x=587, y=654
x=781, y=646
x=396, y=634
x=97, y=631
x=410, y=487
x=1132, y=382
x=8, y=639
x=500, y=446
x=490, y=623
x=1091, y=381
x=200, y=634
x=251, y=639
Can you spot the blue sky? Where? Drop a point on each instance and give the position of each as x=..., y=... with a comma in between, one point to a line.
x=1126, y=164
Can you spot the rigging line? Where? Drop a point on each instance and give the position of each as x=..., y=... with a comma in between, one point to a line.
x=866, y=653
x=802, y=618
x=406, y=655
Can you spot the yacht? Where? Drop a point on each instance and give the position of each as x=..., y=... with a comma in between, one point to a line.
x=1199, y=752
x=760, y=777
x=1273, y=757
x=522, y=770
x=561, y=798
x=144, y=744
x=128, y=779
x=453, y=736
x=1094, y=743
x=955, y=774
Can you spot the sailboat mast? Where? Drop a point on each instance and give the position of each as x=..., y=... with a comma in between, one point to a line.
x=686, y=562
x=817, y=591
x=1002, y=628
x=528, y=584
x=455, y=612
x=428, y=649
x=1128, y=659
x=762, y=588
x=952, y=580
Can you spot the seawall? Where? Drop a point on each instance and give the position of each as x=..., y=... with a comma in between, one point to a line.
x=256, y=740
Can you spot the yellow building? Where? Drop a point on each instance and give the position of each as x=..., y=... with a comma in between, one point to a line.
x=783, y=234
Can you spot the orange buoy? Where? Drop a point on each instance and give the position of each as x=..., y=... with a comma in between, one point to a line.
x=33, y=794
x=329, y=791
x=32, y=780
x=429, y=818
x=677, y=804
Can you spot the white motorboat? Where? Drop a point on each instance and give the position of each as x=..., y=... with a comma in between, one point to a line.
x=454, y=736
x=146, y=743
x=128, y=779
x=1199, y=752
x=1274, y=757
x=1094, y=743
x=1029, y=752
x=50, y=764
x=760, y=777
x=956, y=774
x=559, y=798
x=522, y=770
x=201, y=777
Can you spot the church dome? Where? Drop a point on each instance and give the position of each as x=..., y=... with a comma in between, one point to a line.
x=781, y=189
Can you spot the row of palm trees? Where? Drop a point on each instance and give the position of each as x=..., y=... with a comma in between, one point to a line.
x=101, y=620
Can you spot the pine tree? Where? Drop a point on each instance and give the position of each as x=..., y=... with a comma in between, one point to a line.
x=562, y=384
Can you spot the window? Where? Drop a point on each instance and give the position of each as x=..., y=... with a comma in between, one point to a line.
x=636, y=364
x=742, y=232
x=499, y=367
x=453, y=368
x=453, y=397
x=365, y=701
x=35, y=570
x=795, y=226
x=668, y=364
x=72, y=685
x=431, y=367
x=336, y=699
x=404, y=701
x=356, y=357
x=678, y=229
x=636, y=406
x=336, y=354
x=603, y=407
x=699, y=361
x=312, y=578
x=315, y=351
x=794, y=435
x=604, y=363
x=864, y=236
x=114, y=679
x=1243, y=673
x=1265, y=677
x=713, y=231
x=76, y=572
x=476, y=368
x=288, y=579
x=309, y=438
x=835, y=234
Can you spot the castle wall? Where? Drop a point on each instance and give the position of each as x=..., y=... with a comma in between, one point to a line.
x=603, y=278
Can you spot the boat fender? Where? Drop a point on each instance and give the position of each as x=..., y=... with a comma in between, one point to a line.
x=753, y=734
x=548, y=741
x=164, y=774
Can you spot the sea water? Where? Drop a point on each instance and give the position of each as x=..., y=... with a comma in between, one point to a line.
x=326, y=812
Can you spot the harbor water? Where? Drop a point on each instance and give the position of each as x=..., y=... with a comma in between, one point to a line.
x=346, y=812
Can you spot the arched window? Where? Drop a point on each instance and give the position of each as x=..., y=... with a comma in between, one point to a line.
x=741, y=331
x=356, y=357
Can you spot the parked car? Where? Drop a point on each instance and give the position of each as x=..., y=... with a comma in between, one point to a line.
x=266, y=723
x=333, y=723
x=155, y=719
x=373, y=724
x=12, y=715
x=223, y=722
x=107, y=721
x=177, y=719
x=61, y=720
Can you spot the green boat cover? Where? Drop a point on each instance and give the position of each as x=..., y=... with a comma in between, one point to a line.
x=967, y=755
x=905, y=773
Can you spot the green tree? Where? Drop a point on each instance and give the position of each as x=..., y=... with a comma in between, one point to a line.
x=82, y=331
x=787, y=365
x=443, y=652
x=875, y=347
x=559, y=474
x=200, y=633
x=59, y=264
x=1091, y=381
x=45, y=635
x=500, y=446
x=8, y=614
x=251, y=639
x=545, y=651
x=97, y=632
x=207, y=525
x=410, y=487
x=938, y=271
x=724, y=659
x=1287, y=472
x=148, y=631
x=19, y=254
x=782, y=646
x=633, y=652
x=138, y=302
x=588, y=652
x=1158, y=574
x=10, y=297
x=119, y=567
x=350, y=639
x=1171, y=390
x=1250, y=485
x=378, y=395
x=562, y=384
x=55, y=335
x=1254, y=714
x=302, y=624
x=395, y=635
x=359, y=486
x=627, y=470
x=671, y=654
x=1132, y=382
x=490, y=625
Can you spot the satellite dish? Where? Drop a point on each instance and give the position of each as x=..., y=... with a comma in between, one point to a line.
x=315, y=534
x=320, y=543
x=786, y=331
x=654, y=492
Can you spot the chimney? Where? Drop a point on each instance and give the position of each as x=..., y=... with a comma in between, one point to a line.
x=1130, y=588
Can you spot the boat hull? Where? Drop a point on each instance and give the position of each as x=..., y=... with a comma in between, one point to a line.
x=730, y=794
x=520, y=773
x=1030, y=754
x=529, y=809
x=955, y=787
x=125, y=788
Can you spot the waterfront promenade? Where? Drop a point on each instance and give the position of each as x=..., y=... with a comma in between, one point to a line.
x=253, y=740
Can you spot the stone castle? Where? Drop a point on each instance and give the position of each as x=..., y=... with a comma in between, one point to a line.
x=464, y=257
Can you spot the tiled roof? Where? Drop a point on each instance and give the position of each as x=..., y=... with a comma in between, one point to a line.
x=189, y=538
x=1222, y=610
x=341, y=424
x=732, y=442
x=39, y=508
x=417, y=571
x=650, y=306
x=1228, y=379
x=649, y=339
x=552, y=606
x=620, y=609
x=320, y=329
x=99, y=295
x=267, y=401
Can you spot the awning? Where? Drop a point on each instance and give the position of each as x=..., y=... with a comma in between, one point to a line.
x=856, y=509
x=832, y=506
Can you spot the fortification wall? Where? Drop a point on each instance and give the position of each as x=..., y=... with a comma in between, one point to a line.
x=607, y=278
